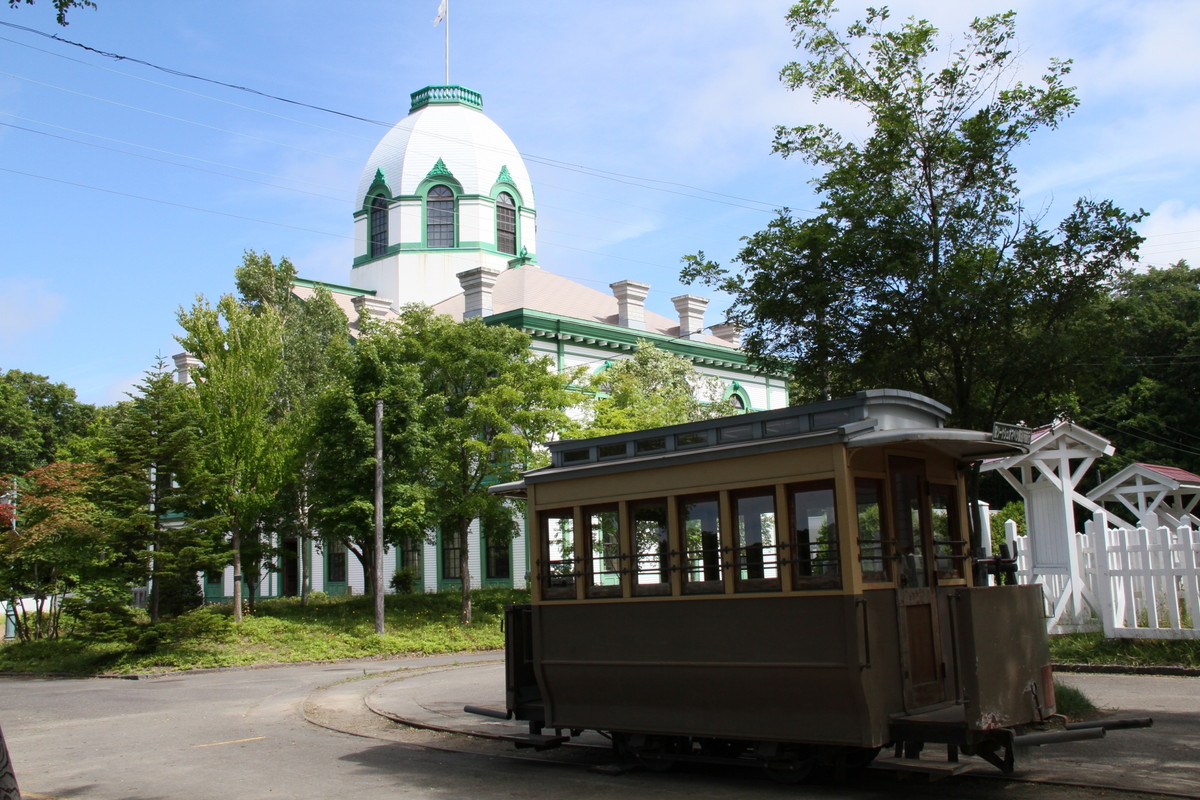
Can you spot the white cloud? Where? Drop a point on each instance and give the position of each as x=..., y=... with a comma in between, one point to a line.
x=26, y=308
x=1172, y=232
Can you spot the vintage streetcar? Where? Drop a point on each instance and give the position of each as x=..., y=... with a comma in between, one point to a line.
x=788, y=587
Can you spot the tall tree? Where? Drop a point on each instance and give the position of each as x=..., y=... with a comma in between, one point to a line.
x=315, y=333
x=241, y=450
x=37, y=420
x=650, y=389
x=149, y=443
x=923, y=271
x=487, y=403
x=343, y=467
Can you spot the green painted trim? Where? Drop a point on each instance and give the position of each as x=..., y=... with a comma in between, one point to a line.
x=336, y=288
x=604, y=336
x=445, y=95
x=378, y=187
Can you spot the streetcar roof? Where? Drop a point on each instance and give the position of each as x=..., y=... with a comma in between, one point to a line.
x=869, y=418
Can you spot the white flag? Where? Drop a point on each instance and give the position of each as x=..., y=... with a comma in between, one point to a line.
x=441, y=14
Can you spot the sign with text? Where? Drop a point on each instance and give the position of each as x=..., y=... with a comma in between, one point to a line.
x=1013, y=434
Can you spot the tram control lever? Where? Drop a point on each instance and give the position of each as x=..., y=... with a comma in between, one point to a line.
x=1003, y=566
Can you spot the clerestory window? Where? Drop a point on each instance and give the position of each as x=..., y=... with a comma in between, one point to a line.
x=379, y=226
x=506, y=224
x=439, y=217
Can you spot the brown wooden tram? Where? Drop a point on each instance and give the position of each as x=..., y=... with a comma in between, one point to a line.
x=787, y=586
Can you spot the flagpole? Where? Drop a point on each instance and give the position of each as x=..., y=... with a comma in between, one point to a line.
x=447, y=42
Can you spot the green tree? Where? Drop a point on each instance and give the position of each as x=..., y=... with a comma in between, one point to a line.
x=923, y=271
x=315, y=333
x=149, y=443
x=647, y=390
x=1145, y=393
x=61, y=7
x=37, y=420
x=241, y=450
x=59, y=543
x=343, y=467
x=487, y=403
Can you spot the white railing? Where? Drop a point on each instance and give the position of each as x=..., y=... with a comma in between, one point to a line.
x=1136, y=582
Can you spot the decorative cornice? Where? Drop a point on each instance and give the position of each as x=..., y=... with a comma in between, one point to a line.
x=445, y=95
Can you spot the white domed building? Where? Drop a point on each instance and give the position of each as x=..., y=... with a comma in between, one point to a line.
x=445, y=215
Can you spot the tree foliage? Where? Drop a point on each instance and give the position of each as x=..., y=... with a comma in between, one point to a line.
x=650, y=389
x=61, y=7
x=314, y=333
x=487, y=403
x=1145, y=391
x=923, y=271
x=149, y=446
x=38, y=419
x=241, y=450
x=59, y=542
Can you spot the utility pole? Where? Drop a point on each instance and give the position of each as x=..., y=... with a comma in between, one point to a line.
x=379, y=516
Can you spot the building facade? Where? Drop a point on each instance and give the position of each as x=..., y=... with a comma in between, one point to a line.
x=445, y=216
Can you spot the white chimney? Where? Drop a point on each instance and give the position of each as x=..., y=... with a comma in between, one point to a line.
x=729, y=332
x=477, y=287
x=184, y=364
x=691, y=315
x=631, y=296
x=371, y=306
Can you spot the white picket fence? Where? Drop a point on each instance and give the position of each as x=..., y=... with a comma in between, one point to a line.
x=1136, y=582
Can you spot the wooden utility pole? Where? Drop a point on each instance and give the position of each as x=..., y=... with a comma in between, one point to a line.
x=379, y=516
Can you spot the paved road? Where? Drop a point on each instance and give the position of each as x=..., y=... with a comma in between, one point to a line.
x=248, y=734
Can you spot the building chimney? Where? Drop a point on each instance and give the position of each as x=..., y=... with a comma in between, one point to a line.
x=729, y=332
x=691, y=315
x=371, y=306
x=477, y=287
x=184, y=364
x=631, y=295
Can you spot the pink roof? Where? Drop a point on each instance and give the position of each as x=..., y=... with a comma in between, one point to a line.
x=538, y=290
x=1173, y=473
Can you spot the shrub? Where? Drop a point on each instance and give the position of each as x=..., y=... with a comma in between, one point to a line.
x=404, y=581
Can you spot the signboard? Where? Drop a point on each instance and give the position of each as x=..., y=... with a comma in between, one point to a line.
x=1013, y=434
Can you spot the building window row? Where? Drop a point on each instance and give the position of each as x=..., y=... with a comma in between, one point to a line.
x=440, y=215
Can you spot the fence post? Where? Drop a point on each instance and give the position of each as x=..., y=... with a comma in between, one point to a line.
x=1097, y=526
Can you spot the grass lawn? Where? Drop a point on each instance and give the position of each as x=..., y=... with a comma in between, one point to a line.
x=1094, y=649
x=277, y=632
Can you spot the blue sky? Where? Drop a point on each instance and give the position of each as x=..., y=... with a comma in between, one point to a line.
x=127, y=191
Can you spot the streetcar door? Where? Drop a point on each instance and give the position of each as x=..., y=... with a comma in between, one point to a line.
x=920, y=638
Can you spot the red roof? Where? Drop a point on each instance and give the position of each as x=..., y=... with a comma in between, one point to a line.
x=1174, y=473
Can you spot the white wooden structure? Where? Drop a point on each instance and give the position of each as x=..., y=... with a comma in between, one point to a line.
x=1145, y=581
x=1151, y=495
x=1047, y=478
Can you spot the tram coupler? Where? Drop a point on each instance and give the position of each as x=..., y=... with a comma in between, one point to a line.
x=1112, y=724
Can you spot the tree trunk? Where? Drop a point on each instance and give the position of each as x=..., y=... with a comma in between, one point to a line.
x=236, y=542
x=464, y=569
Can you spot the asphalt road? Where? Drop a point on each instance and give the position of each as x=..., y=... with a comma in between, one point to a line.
x=251, y=734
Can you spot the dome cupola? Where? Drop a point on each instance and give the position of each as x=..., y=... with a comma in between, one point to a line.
x=443, y=192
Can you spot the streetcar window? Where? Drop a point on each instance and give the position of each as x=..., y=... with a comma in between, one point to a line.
x=696, y=439
x=558, y=553
x=949, y=548
x=652, y=445
x=907, y=477
x=612, y=450
x=757, y=542
x=700, y=523
x=576, y=456
x=604, y=551
x=814, y=536
x=652, y=567
x=872, y=549
x=736, y=433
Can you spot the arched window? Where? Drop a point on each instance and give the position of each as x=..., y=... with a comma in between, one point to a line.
x=379, y=226
x=439, y=217
x=506, y=224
